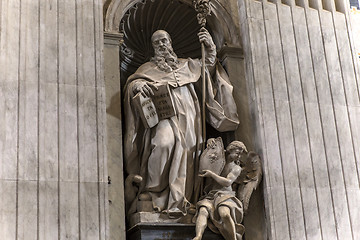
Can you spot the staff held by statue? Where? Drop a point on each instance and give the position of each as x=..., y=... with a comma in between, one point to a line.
x=203, y=10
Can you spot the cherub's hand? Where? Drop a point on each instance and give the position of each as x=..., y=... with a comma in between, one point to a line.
x=206, y=173
x=211, y=143
x=145, y=88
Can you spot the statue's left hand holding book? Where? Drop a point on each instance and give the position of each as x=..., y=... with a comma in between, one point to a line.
x=156, y=107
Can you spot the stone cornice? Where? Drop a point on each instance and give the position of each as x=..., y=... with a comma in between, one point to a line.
x=230, y=51
x=111, y=38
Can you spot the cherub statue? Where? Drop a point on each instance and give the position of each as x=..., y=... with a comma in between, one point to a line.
x=224, y=205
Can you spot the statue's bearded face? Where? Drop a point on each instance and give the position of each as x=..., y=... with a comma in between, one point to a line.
x=161, y=41
x=164, y=57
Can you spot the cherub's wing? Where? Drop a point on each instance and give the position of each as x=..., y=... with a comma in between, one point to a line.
x=249, y=179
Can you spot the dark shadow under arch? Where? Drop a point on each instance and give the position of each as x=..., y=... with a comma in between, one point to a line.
x=144, y=18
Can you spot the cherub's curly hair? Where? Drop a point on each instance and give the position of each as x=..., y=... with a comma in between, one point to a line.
x=235, y=145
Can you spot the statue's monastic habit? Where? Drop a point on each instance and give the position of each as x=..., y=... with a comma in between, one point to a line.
x=163, y=133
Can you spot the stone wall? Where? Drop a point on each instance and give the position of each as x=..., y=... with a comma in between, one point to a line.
x=52, y=171
x=304, y=99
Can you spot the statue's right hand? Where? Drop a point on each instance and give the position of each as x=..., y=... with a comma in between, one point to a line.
x=144, y=88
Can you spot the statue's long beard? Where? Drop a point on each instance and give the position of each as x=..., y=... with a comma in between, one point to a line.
x=165, y=58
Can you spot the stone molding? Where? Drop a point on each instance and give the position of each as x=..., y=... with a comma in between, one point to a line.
x=230, y=51
x=111, y=38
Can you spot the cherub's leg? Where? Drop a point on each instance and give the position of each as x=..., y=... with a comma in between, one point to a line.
x=201, y=223
x=229, y=225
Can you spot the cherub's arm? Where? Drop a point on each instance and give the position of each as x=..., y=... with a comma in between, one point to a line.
x=224, y=181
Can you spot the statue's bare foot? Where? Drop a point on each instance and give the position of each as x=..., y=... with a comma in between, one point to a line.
x=192, y=210
x=196, y=238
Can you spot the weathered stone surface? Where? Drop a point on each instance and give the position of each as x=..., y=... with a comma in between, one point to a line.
x=51, y=149
x=311, y=79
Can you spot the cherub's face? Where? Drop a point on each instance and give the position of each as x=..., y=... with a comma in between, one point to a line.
x=235, y=154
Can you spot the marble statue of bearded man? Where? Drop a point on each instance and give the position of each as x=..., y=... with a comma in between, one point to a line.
x=166, y=155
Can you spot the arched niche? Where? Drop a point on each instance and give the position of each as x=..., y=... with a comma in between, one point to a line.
x=221, y=22
x=226, y=36
x=176, y=16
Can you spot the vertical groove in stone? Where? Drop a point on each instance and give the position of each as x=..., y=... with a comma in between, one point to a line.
x=48, y=122
x=350, y=98
x=102, y=178
x=323, y=130
x=77, y=115
x=297, y=229
x=28, y=121
x=313, y=149
x=307, y=123
x=292, y=130
x=97, y=116
x=356, y=63
x=323, y=14
x=266, y=160
x=317, y=78
x=267, y=134
x=38, y=129
x=18, y=125
x=256, y=107
x=322, y=117
x=268, y=123
x=252, y=56
x=311, y=223
x=276, y=122
x=68, y=111
x=348, y=118
x=338, y=127
x=88, y=114
x=355, y=68
x=58, y=113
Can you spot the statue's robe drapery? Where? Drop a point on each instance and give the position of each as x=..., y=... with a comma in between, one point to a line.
x=166, y=156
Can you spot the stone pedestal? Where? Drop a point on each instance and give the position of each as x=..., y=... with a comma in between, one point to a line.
x=158, y=218
x=167, y=231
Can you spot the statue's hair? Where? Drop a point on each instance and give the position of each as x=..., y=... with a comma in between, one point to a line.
x=235, y=145
x=160, y=31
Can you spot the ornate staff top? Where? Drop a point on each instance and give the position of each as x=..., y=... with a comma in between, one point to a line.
x=202, y=7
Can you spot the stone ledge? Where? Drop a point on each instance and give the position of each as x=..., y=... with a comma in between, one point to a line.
x=157, y=218
x=167, y=231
